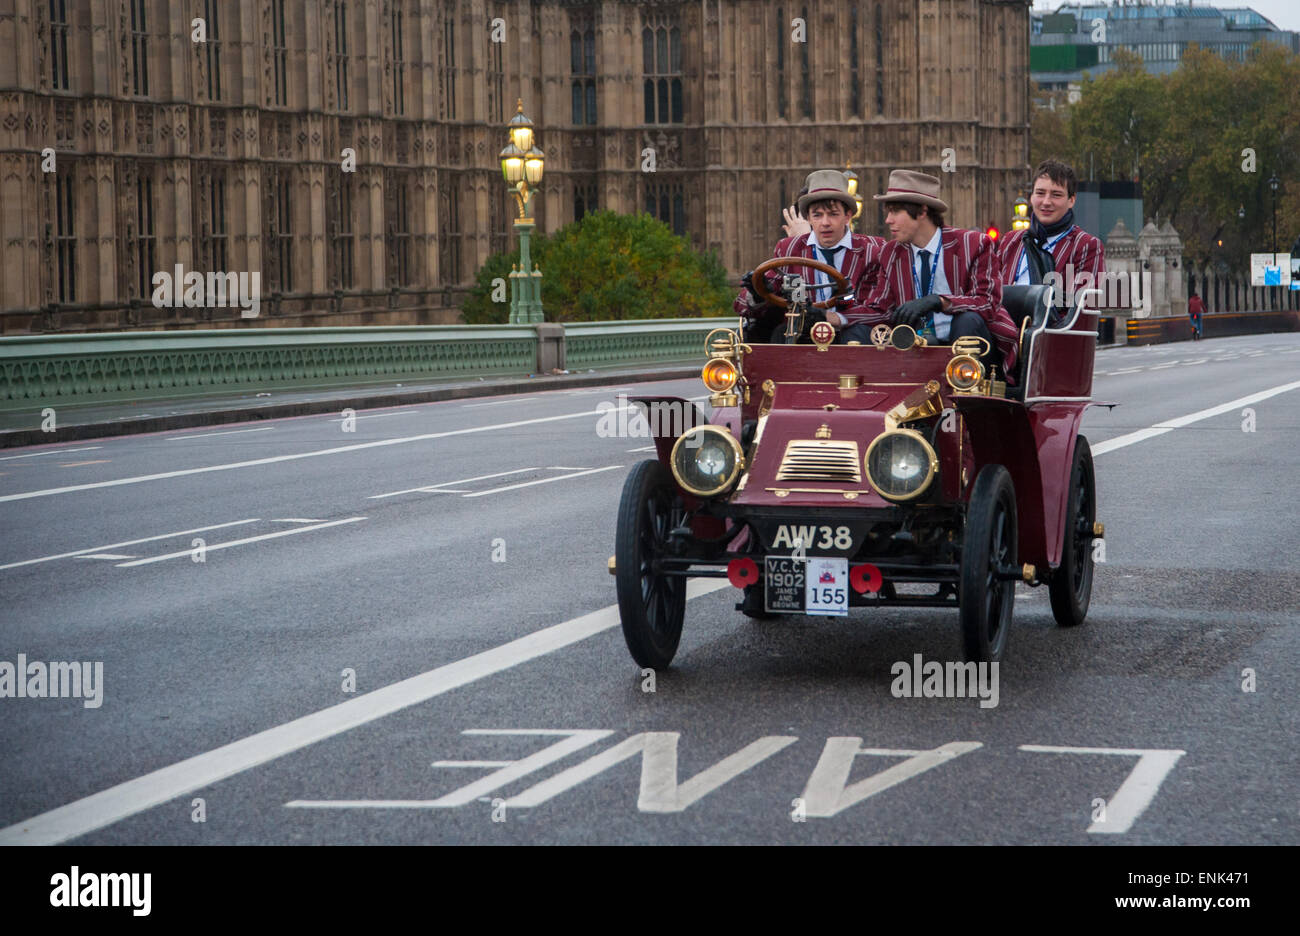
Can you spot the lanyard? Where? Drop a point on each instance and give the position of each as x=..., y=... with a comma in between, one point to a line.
x=934, y=270
x=1023, y=268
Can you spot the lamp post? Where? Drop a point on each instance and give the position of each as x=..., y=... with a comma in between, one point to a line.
x=1273, y=184
x=521, y=165
x=852, y=178
x=1020, y=215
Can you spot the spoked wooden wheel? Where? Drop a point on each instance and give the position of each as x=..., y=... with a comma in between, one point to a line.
x=1071, y=584
x=987, y=598
x=651, y=604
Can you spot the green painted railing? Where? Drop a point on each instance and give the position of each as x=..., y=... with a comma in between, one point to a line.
x=656, y=341
x=85, y=368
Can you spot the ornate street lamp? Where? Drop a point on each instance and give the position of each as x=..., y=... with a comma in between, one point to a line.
x=522, y=165
x=1020, y=215
x=852, y=179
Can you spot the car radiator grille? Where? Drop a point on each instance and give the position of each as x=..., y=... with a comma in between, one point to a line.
x=820, y=460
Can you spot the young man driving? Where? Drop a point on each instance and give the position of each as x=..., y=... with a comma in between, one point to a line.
x=828, y=208
x=1053, y=242
x=945, y=282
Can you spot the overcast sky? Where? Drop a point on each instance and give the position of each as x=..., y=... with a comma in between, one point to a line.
x=1285, y=13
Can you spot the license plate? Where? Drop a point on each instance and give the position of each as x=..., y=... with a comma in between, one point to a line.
x=806, y=586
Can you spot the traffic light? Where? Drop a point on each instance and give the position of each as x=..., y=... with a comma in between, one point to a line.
x=992, y=232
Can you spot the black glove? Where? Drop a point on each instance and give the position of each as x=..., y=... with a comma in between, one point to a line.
x=754, y=300
x=914, y=312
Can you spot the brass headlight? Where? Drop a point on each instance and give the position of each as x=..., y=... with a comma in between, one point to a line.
x=964, y=373
x=901, y=464
x=707, y=460
x=719, y=375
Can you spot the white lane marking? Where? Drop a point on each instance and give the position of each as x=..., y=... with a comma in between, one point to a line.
x=524, y=484
x=239, y=542
x=1161, y=428
x=1126, y=370
x=471, y=763
x=153, y=789
x=59, y=452
x=275, y=459
x=147, y=539
x=205, y=435
x=828, y=791
x=1197, y=361
x=1164, y=365
x=499, y=402
x=296, y=520
x=338, y=419
x=437, y=488
x=1138, y=789
x=644, y=448
x=103, y=556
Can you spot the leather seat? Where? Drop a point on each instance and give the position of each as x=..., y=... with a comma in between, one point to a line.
x=1027, y=302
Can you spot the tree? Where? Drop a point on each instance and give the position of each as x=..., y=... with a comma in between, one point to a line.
x=608, y=267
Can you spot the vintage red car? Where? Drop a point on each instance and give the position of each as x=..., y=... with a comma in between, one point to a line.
x=829, y=476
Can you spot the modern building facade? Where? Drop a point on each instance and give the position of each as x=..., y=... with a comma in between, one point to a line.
x=346, y=150
x=1083, y=37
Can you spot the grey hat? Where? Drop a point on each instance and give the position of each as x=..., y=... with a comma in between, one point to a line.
x=824, y=184
x=915, y=187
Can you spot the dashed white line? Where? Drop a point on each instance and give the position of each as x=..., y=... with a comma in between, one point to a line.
x=499, y=402
x=439, y=488
x=206, y=435
x=524, y=484
x=51, y=452
x=239, y=542
x=147, y=539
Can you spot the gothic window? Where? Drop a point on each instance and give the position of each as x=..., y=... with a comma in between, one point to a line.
x=139, y=48
x=663, y=200
x=805, y=80
x=146, y=241
x=880, y=60
x=279, y=53
x=59, y=44
x=399, y=229
x=341, y=58
x=212, y=49
x=218, y=237
x=496, y=81
x=344, y=237
x=65, y=242
x=855, y=76
x=585, y=200
x=449, y=68
x=449, y=228
x=399, y=63
x=781, y=39
x=282, y=235
x=661, y=51
x=582, y=67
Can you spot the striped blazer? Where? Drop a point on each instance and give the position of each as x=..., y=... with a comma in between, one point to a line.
x=861, y=262
x=1078, y=250
x=974, y=274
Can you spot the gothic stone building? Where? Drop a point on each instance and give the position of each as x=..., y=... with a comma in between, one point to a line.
x=128, y=146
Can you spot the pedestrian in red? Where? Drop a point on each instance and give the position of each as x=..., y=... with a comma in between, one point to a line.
x=1196, y=312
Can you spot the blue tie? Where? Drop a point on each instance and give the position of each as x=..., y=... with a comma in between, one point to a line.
x=928, y=328
x=828, y=254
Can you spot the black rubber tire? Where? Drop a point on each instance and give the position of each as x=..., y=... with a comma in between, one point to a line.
x=987, y=605
x=651, y=607
x=1071, y=583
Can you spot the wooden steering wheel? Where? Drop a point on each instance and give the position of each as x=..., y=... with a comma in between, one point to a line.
x=840, y=281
